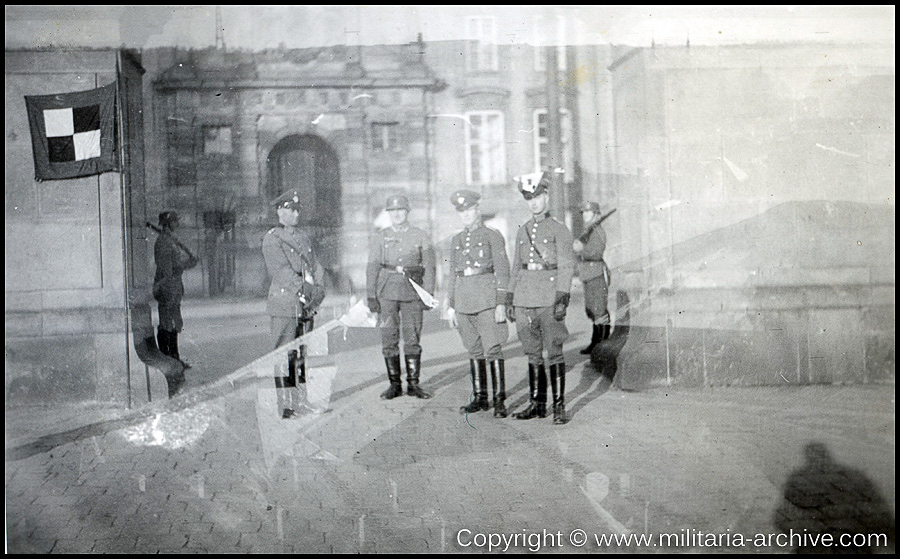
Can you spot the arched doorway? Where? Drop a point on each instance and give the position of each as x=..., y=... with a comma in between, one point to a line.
x=310, y=165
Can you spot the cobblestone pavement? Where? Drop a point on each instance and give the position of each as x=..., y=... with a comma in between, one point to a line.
x=203, y=474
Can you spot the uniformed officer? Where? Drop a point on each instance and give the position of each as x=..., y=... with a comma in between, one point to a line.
x=539, y=284
x=398, y=254
x=594, y=273
x=476, y=300
x=295, y=293
x=168, y=288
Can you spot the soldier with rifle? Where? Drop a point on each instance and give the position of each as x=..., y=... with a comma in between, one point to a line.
x=593, y=272
x=172, y=259
x=295, y=294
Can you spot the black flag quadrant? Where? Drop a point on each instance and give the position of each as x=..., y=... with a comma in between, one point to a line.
x=73, y=134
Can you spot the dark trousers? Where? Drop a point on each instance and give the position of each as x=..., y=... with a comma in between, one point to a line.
x=596, y=295
x=283, y=329
x=397, y=316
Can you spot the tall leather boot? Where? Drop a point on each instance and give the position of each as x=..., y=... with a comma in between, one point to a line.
x=596, y=336
x=393, y=370
x=173, y=345
x=558, y=384
x=162, y=341
x=606, y=330
x=174, y=379
x=285, y=387
x=297, y=366
x=537, y=407
x=498, y=375
x=478, y=371
x=413, y=366
x=283, y=393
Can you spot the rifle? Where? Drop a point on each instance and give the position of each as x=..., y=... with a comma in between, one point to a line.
x=584, y=236
x=177, y=242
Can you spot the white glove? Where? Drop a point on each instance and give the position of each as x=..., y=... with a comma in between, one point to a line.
x=500, y=314
x=451, y=318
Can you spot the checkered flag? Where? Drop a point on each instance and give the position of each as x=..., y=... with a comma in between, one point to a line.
x=73, y=134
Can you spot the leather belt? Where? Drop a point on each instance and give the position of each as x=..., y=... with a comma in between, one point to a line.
x=473, y=272
x=590, y=260
x=534, y=266
x=398, y=269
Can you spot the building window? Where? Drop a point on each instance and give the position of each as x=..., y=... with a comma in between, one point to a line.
x=545, y=34
x=180, y=144
x=485, y=148
x=217, y=140
x=384, y=136
x=481, y=48
x=542, y=142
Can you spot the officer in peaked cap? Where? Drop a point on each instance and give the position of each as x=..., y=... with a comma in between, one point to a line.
x=289, y=199
x=295, y=293
x=594, y=273
x=533, y=184
x=476, y=300
x=171, y=259
x=538, y=296
x=398, y=254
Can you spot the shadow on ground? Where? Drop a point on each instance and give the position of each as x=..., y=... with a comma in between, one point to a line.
x=826, y=502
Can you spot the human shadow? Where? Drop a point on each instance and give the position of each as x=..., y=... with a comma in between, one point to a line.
x=599, y=374
x=831, y=508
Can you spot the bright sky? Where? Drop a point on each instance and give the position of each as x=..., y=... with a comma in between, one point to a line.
x=257, y=27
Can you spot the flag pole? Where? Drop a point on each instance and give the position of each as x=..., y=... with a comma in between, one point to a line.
x=120, y=147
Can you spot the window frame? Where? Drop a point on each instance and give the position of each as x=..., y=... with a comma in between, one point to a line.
x=540, y=54
x=500, y=177
x=389, y=136
x=210, y=126
x=566, y=131
x=475, y=38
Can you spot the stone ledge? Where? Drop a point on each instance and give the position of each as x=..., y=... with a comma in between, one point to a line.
x=68, y=322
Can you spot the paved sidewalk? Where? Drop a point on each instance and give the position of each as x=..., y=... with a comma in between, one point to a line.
x=200, y=473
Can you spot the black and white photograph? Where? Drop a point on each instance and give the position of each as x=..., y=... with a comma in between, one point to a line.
x=456, y=279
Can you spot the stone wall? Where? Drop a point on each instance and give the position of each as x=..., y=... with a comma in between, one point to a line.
x=802, y=294
x=65, y=303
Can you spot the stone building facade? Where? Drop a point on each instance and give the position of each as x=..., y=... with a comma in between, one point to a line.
x=231, y=130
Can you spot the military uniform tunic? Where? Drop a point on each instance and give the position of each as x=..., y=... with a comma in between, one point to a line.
x=290, y=262
x=168, y=287
x=479, y=275
x=395, y=256
x=594, y=273
x=543, y=264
